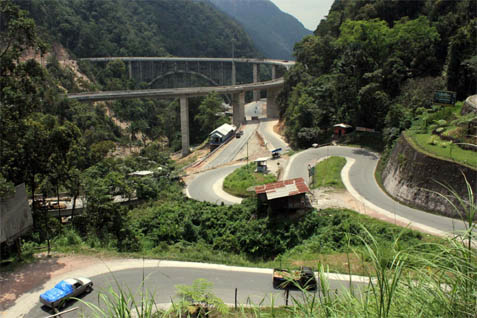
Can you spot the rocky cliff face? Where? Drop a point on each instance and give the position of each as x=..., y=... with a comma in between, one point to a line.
x=416, y=179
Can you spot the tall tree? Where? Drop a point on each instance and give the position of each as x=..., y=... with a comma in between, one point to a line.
x=20, y=84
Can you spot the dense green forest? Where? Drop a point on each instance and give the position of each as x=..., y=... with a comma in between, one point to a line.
x=145, y=28
x=90, y=28
x=376, y=64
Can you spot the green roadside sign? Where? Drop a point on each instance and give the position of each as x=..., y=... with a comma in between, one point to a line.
x=445, y=97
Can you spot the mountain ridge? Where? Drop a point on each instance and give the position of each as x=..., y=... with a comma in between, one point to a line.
x=273, y=31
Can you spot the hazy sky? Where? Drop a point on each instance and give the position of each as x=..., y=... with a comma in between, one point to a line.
x=309, y=12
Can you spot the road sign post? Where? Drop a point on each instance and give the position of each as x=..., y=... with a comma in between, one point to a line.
x=311, y=173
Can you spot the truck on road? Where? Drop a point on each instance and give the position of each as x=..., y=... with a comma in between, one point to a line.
x=303, y=277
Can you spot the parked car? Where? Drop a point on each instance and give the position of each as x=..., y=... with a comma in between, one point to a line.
x=303, y=277
x=239, y=134
x=71, y=287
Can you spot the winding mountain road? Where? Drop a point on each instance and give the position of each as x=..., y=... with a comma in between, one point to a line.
x=358, y=177
x=207, y=186
x=254, y=285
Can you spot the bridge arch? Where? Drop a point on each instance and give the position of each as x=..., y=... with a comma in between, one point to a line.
x=162, y=76
x=208, y=79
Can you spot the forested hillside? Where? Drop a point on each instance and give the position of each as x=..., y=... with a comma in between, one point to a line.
x=376, y=64
x=273, y=32
x=90, y=28
x=55, y=145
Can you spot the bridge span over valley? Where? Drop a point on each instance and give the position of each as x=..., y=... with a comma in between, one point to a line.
x=220, y=72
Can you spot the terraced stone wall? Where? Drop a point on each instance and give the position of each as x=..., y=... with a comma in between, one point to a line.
x=413, y=178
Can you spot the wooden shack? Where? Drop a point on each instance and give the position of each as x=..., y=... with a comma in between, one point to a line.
x=283, y=195
x=341, y=129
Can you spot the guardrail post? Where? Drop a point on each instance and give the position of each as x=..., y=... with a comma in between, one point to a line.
x=235, y=298
x=287, y=293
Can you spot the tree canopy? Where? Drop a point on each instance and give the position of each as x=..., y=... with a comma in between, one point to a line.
x=362, y=58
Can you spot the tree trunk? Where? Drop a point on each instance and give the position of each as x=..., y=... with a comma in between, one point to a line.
x=18, y=244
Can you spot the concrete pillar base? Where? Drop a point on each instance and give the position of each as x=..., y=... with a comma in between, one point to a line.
x=234, y=74
x=273, y=109
x=242, y=107
x=256, y=79
x=185, y=126
x=238, y=109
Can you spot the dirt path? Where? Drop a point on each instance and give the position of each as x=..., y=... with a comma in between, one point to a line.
x=30, y=276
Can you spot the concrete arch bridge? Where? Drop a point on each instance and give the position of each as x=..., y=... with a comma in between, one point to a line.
x=221, y=71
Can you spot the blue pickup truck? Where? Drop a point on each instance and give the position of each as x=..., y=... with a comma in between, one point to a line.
x=71, y=287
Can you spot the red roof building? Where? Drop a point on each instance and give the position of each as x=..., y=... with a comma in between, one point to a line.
x=341, y=129
x=286, y=194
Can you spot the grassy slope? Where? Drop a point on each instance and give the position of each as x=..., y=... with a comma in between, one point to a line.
x=238, y=181
x=442, y=149
x=328, y=173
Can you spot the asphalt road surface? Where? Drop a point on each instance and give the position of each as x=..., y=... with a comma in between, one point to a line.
x=254, y=109
x=272, y=139
x=361, y=177
x=204, y=186
x=160, y=282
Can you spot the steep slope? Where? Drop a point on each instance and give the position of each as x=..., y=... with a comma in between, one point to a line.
x=273, y=32
x=139, y=28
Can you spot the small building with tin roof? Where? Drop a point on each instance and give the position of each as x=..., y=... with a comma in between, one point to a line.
x=341, y=129
x=283, y=195
x=220, y=135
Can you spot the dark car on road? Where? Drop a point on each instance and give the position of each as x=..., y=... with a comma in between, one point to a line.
x=303, y=277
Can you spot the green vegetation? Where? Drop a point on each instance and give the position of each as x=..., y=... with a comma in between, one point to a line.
x=440, y=132
x=369, y=140
x=442, y=283
x=434, y=146
x=179, y=229
x=328, y=173
x=145, y=28
x=243, y=178
x=375, y=63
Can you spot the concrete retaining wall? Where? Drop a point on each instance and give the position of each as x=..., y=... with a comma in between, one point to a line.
x=413, y=178
x=470, y=105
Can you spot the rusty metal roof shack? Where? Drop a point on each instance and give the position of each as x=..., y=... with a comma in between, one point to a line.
x=283, y=195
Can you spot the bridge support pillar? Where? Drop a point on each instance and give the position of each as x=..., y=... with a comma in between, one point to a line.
x=234, y=74
x=130, y=69
x=274, y=71
x=256, y=78
x=185, y=125
x=273, y=110
x=238, y=109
